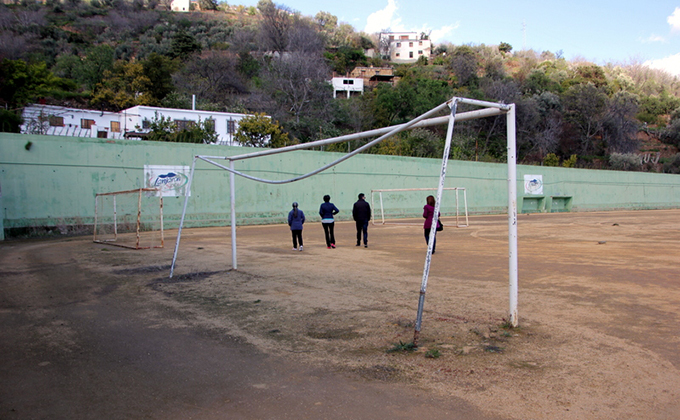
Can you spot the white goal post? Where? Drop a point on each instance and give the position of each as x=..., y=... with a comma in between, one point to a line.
x=129, y=219
x=458, y=215
x=429, y=118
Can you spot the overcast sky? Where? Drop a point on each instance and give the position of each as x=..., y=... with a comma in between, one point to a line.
x=601, y=31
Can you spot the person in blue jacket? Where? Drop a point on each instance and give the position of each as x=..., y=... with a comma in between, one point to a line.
x=327, y=211
x=296, y=218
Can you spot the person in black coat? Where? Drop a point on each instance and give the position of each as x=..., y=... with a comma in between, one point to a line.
x=327, y=211
x=361, y=212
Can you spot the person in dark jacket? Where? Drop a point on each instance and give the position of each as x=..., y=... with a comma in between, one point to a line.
x=296, y=218
x=361, y=212
x=428, y=214
x=327, y=211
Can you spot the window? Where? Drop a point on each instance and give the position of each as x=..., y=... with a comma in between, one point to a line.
x=56, y=121
x=398, y=44
x=184, y=124
x=146, y=123
x=397, y=54
x=391, y=37
x=348, y=82
x=420, y=52
x=403, y=37
x=410, y=44
x=231, y=127
x=86, y=123
x=420, y=42
x=410, y=54
x=115, y=127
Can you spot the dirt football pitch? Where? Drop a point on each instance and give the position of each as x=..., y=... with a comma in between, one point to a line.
x=599, y=312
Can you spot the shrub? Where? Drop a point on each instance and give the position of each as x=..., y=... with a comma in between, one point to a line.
x=625, y=161
x=673, y=165
x=571, y=162
x=551, y=159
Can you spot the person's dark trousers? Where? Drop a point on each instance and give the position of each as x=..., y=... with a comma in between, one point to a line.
x=427, y=239
x=297, y=237
x=328, y=230
x=362, y=226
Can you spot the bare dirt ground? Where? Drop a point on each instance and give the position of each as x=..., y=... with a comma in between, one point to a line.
x=599, y=299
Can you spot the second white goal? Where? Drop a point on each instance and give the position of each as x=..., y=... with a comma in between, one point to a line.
x=396, y=205
x=129, y=219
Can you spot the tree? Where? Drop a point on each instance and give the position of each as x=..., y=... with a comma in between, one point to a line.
x=504, y=47
x=145, y=82
x=671, y=134
x=423, y=143
x=354, y=114
x=260, y=131
x=208, y=4
x=183, y=45
x=412, y=96
x=538, y=82
x=619, y=126
x=98, y=60
x=585, y=107
x=344, y=59
x=464, y=65
x=299, y=91
x=327, y=24
x=275, y=25
x=165, y=129
x=212, y=77
x=158, y=69
x=23, y=83
x=10, y=122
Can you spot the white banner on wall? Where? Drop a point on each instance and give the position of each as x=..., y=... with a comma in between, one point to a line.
x=533, y=184
x=170, y=180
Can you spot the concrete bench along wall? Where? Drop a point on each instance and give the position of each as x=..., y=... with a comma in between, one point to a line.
x=48, y=181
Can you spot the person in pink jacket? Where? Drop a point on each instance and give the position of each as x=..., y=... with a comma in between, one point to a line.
x=428, y=213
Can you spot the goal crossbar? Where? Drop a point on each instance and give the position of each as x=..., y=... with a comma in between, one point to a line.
x=382, y=207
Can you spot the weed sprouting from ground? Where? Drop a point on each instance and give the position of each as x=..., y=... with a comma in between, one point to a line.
x=433, y=354
x=403, y=347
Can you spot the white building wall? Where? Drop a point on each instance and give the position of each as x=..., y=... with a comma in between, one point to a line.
x=134, y=118
x=63, y=121
x=37, y=120
x=180, y=5
x=406, y=47
x=347, y=85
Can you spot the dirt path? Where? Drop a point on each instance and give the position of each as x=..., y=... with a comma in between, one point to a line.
x=599, y=320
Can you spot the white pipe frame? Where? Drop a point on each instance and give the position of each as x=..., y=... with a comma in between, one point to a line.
x=490, y=109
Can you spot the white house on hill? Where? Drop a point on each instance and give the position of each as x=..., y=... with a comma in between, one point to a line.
x=130, y=123
x=404, y=47
x=350, y=85
x=180, y=5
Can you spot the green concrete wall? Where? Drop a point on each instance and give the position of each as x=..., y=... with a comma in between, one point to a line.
x=54, y=181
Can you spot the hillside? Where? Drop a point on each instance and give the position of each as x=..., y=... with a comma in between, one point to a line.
x=111, y=55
